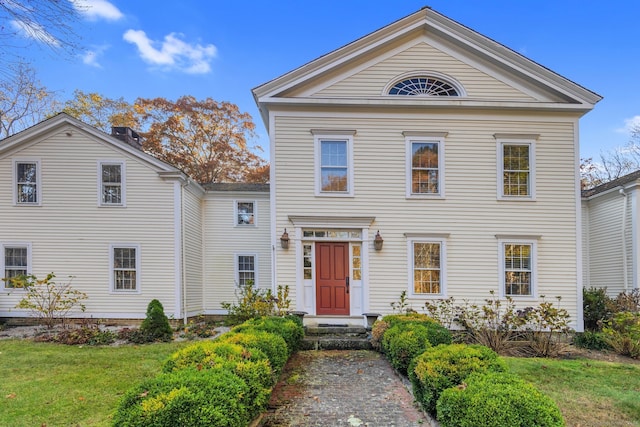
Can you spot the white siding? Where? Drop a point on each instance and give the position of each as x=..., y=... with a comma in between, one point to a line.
x=421, y=57
x=70, y=234
x=223, y=241
x=470, y=214
x=193, y=251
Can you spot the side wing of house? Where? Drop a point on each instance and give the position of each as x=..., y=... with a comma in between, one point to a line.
x=76, y=202
x=193, y=249
x=610, y=227
x=237, y=242
x=459, y=152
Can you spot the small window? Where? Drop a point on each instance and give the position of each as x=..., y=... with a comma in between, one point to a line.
x=307, y=261
x=516, y=173
x=425, y=166
x=246, y=269
x=125, y=268
x=111, y=183
x=334, y=168
x=427, y=267
x=423, y=86
x=27, y=182
x=518, y=268
x=245, y=213
x=356, y=261
x=16, y=262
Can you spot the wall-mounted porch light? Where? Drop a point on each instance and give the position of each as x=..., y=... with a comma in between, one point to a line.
x=284, y=240
x=378, y=241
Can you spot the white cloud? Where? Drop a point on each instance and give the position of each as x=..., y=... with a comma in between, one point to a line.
x=172, y=52
x=630, y=125
x=90, y=57
x=34, y=31
x=97, y=9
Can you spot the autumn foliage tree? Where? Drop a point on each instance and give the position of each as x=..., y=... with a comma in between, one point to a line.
x=206, y=139
x=101, y=112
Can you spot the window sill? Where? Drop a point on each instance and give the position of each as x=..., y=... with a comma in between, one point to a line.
x=338, y=195
x=516, y=199
x=425, y=196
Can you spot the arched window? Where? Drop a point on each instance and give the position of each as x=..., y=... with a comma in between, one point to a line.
x=423, y=86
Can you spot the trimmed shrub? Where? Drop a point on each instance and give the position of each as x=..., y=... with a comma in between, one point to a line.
x=597, y=307
x=493, y=399
x=590, y=340
x=411, y=317
x=405, y=340
x=274, y=346
x=156, y=325
x=186, y=398
x=401, y=343
x=622, y=333
x=289, y=327
x=445, y=366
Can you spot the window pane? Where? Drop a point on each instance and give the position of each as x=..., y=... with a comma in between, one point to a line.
x=27, y=172
x=426, y=255
x=425, y=154
x=26, y=180
x=357, y=262
x=307, y=260
x=112, y=194
x=334, y=179
x=246, y=270
x=424, y=168
x=518, y=269
x=15, y=263
x=516, y=170
x=334, y=153
x=245, y=213
x=124, y=258
x=111, y=174
x=112, y=184
x=426, y=268
x=424, y=181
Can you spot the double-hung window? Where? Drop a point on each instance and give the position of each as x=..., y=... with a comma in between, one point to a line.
x=15, y=262
x=427, y=266
x=518, y=272
x=112, y=185
x=27, y=182
x=516, y=167
x=125, y=268
x=245, y=213
x=425, y=164
x=334, y=163
x=246, y=269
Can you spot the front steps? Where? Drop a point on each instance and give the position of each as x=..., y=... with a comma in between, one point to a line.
x=336, y=337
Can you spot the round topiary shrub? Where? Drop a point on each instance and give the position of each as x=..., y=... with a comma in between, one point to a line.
x=289, y=327
x=156, y=327
x=496, y=399
x=187, y=398
x=445, y=366
x=403, y=342
x=274, y=346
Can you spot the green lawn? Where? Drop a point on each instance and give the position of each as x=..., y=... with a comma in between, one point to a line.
x=589, y=393
x=51, y=385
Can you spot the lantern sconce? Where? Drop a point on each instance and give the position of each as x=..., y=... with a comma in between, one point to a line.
x=378, y=241
x=284, y=240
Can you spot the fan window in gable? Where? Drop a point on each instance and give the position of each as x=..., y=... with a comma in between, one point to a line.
x=423, y=86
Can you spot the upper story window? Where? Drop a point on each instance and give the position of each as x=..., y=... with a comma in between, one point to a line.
x=334, y=163
x=27, y=182
x=425, y=163
x=112, y=188
x=245, y=213
x=516, y=161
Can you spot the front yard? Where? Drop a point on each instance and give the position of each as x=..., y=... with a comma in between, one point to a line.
x=57, y=385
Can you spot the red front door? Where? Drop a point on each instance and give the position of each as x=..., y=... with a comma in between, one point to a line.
x=332, y=278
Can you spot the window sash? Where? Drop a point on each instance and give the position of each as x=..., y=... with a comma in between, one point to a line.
x=516, y=170
x=334, y=166
x=245, y=213
x=425, y=169
x=16, y=263
x=111, y=183
x=27, y=182
x=125, y=268
x=518, y=269
x=246, y=267
x=427, y=268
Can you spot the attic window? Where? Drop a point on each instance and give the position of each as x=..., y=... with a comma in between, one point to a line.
x=423, y=85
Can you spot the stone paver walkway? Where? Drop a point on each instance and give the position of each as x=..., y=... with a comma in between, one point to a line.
x=352, y=388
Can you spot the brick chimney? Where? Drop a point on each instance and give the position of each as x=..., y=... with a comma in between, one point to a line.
x=128, y=135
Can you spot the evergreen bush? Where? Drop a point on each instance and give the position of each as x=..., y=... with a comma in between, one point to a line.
x=288, y=327
x=401, y=343
x=156, y=327
x=445, y=366
x=274, y=346
x=496, y=399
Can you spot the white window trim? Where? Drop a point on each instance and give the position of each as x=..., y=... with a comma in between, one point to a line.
x=14, y=180
x=123, y=183
x=255, y=267
x=429, y=137
x=235, y=213
x=501, y=142
x=318, y=137
x=4, y=245
x=534, y=267
x=443, y=266
x=112, y=278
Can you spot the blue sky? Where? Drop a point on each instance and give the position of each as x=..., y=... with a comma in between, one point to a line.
x=222, y=49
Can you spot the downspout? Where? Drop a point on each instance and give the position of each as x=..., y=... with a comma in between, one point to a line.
x=625, y=273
